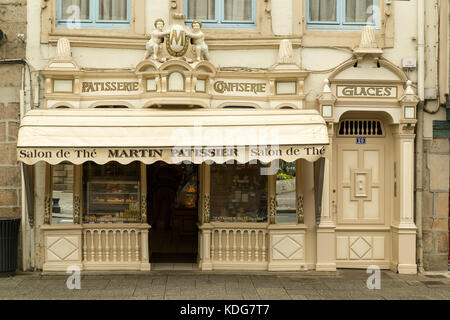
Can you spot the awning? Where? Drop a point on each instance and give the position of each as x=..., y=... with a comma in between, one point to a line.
x=104, y=135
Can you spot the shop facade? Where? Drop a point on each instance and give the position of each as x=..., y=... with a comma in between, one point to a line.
x=184, y=157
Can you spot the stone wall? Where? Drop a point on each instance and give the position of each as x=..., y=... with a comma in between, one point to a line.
x=436, y=204
x=13, y=15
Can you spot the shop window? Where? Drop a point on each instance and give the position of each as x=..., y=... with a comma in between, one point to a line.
x=62, y=194
x=94, y=14
x=222, y=14
x=286, y=192
x=342, y=14
x=111, y=193
x=238, y=193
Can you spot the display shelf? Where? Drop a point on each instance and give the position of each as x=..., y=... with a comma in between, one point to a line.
x=113, y=201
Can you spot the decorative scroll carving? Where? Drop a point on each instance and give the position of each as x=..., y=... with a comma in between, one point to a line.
x=48, y=209
x=63, y=51
x=272, y=210
x=178, y=39
x=206, y=208
x=144, y=209
x=285, y=55
x=300, y=210
x=76, y=209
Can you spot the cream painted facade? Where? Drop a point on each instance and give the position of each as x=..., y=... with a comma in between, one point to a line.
x=369, y=212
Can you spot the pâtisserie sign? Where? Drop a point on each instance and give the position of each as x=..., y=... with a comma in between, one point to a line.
x=169, y=155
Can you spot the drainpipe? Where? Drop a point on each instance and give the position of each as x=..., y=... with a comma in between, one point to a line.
x=419, y=131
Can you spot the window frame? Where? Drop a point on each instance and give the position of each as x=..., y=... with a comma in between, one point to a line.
x=94, y=22
x=219, y=22
x=341, y=17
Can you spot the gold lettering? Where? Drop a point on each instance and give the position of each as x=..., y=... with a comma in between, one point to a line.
x=179, y=38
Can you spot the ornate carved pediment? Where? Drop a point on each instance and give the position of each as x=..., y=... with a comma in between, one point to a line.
x=177, y=41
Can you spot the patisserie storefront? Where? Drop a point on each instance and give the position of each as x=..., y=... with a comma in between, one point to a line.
x=180, y=161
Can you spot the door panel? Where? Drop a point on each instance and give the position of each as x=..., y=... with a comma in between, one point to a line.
x=360, y=185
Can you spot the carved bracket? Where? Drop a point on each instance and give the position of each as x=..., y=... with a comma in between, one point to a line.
x=206, y=208
x=144, y=209
x=48, y=209
x=300, y=210
x=76, y=209
x=272, y=210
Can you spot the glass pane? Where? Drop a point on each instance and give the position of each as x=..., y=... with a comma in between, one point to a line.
x=201, y=10
x=111, y=193
x=75, y=9
x=322, y=10
x=238, y=193
x=62, y=197
x=285, y=192
x=360, y=11
x=112, y=10
x=238, y=10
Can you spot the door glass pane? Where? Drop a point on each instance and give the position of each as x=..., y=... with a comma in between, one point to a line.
x=360, y=11
x=112, y=10
x=201, y=10
x=62, y=197
x=323, y=10
x=75, y=9
x=238, y=10
x=285, y=191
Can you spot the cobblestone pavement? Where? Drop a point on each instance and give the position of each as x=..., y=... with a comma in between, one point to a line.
x=195, y=285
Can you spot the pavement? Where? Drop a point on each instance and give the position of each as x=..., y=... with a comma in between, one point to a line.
x=198, y=285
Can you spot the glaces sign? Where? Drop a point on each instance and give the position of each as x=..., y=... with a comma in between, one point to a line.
x=367, y=92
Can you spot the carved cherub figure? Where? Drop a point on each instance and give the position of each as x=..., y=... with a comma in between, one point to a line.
x=156, y=39
x=198, y=37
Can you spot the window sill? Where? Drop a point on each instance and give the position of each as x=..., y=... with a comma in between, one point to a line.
x=336, y=38
x=124, y=39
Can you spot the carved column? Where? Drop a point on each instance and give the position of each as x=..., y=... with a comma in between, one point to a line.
x=272, y=205
x=143, y=194
x=403, y=228
x=48, y=193
x=205, y=228
x=326, y=238
x=77, y=192
x=299, y=192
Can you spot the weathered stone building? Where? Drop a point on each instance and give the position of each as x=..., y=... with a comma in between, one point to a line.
x=13, y=25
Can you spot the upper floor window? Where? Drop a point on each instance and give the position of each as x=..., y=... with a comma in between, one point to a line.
x=221, y=14
x=94, y=14
x=342, y=14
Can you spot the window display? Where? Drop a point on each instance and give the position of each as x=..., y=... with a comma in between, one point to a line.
x=112, y=193
x=285, y=192
x=62, y=197
x=238, y=193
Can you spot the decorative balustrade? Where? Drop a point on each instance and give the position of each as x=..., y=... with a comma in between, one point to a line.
x=110, y=246
x=232, y=245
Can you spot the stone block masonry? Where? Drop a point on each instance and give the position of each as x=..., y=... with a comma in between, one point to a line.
x=436, y=204
x=13, y=21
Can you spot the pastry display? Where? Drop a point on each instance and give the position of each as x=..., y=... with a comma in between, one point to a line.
x=112, y=201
